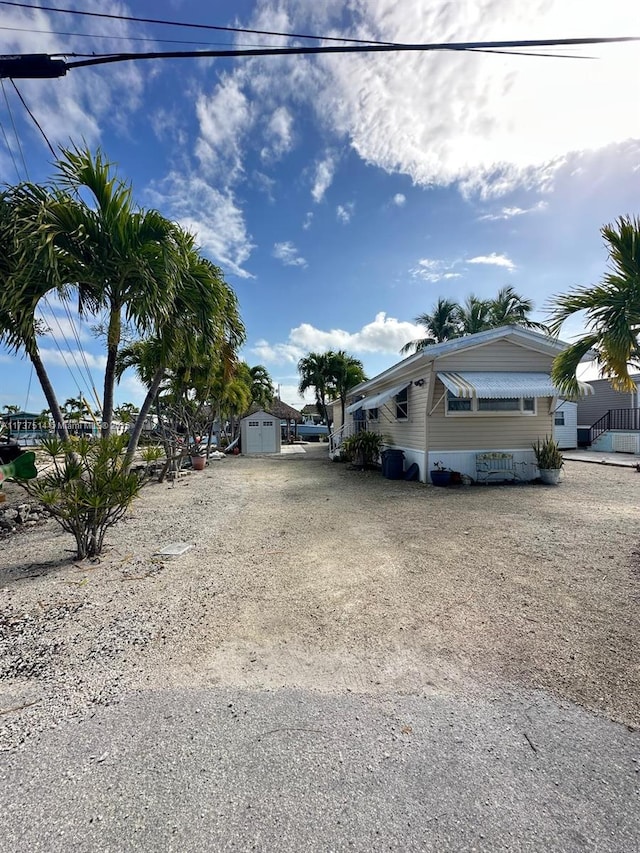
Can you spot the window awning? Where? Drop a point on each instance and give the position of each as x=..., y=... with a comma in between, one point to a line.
x=376, y=400
x=485, y=385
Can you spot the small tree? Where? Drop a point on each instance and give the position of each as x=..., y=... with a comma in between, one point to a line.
x=87, y=489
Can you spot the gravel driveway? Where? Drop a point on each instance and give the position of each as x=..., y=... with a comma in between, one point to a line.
x=306, y=576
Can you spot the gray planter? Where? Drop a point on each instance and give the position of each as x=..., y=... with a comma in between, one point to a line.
x=550, y=476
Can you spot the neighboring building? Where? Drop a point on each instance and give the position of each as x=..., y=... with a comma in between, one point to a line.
x=488, y=392
x=609, y=421
x=565, y=424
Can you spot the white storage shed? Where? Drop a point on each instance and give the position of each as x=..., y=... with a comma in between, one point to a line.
x=260, y=433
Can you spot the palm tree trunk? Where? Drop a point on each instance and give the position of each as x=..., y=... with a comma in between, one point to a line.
x=49, y=393
x=113, y=340
x=142, y=415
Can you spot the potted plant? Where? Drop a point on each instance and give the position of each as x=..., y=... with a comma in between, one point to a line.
x=549, y=460
x=440, y=476
x=197, y=452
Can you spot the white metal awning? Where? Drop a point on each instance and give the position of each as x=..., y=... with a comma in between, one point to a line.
x=376, y=400
x=485, y=385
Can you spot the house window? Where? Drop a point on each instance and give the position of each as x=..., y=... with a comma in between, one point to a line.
x=558, y=418
x=490, y=405
x=373, y=414
x=402, y=405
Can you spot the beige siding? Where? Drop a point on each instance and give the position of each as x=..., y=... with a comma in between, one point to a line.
x=508, y=432
x=337, y=415
x=592, y=408
x=408, y=433
x=498, y=355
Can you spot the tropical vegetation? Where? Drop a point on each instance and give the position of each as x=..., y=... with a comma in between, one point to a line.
x=611, y=313
x=331, y=375
x=449, y=319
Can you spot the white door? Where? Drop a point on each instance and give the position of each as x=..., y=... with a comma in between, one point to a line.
x=261, y=435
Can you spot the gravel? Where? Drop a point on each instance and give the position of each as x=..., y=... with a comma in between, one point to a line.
x=306, y=575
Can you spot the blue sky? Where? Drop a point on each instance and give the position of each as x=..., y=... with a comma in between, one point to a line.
x=343, y=195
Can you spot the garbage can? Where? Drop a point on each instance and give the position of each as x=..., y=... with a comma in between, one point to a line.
x=392, y=464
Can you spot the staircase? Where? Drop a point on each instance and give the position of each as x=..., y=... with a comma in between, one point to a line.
x=624, y=426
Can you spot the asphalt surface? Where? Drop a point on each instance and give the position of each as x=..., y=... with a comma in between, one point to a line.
x=291, y=770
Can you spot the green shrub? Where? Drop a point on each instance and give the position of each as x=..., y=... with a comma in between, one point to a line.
x=363, y=448
x=86, y=489
x=548, y=454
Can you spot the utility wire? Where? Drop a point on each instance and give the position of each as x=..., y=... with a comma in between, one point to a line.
x=127, y=38
x=377, y=48
x=70, y=351
x=9, y=149
x=15, y=131
x=163, y=22
x=34, y=119
x=83, y=355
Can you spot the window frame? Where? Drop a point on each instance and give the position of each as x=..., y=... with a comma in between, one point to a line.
x=402, y=405
x=475, y=411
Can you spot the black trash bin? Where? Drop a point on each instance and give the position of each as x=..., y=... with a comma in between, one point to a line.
x=393, y=464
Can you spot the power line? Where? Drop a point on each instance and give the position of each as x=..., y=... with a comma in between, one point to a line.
x=15, y=131
x=163, y=22
x=372, y=48
x=125, y=38
x=34, y=119
x=9, y=149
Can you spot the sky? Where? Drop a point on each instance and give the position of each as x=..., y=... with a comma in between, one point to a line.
x=341, y=195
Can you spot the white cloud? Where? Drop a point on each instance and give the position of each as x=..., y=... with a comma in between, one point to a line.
x=288, y=254
x=131, y=390
x=434, y=269
x=211, y=214
x=383, y=335
x=344, y=212
x=62, y=328
x=488, y=123
x=225, y=116
x=65, y=357
x=399, y=199
x=279, y=134
x=308, y=219
x=511, y=212
x=494, y=260
x=324, y=172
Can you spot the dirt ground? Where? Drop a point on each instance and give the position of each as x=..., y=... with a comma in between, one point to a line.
x=307, y=574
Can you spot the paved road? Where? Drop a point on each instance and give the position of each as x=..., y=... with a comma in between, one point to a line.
x=217, y=770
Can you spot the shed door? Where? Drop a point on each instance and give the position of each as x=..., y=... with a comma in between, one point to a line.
x=261, y=435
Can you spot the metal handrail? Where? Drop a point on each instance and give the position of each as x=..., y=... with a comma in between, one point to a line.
x=622, y=419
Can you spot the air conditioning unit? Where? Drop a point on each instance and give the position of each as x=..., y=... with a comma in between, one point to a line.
x=625, y=443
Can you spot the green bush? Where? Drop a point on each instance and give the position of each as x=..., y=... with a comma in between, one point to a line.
x=363, y=448
x=548, y=454
x=86, y=489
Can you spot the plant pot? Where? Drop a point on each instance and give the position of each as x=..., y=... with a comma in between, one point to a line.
x=198, y=463
x=440, y=478
x=550, y=476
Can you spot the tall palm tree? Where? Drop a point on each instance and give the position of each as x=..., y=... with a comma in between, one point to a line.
x=261, y=386
x=475, y=315
x=120, y=258
x=509, y=308
x=23, y=282
x=441, y=325
x=201, y=333
x=315, y=372
x=612, y=313
x=345, y=373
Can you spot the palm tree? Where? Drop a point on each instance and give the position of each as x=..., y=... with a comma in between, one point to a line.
x=23, y=282
x=120, y=258
x=201, y=333
x=508, y=308
x=261, y=386
x=345, y=373
x=75, y=408
x=11, y=409
x=441, y=325
x=475, y=315
x=315, y=372
x=612, y=313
